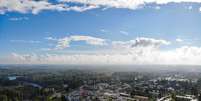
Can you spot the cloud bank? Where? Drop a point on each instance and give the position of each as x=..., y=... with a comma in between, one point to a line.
x=130, y=4
x=36, y=6
x=138, y=51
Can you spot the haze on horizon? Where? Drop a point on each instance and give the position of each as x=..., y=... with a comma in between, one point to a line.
x=106, y=32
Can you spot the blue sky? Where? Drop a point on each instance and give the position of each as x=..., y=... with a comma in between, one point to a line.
x=24, y=33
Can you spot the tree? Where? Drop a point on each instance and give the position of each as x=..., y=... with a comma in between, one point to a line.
x=173, y=96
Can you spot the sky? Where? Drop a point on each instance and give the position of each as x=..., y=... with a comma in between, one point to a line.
x=100, y=32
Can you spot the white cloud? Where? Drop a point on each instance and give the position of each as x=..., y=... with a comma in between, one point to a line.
x=124, y=32
x=157, y=7
x=104, y=31
x=63, y=43
x=51, y=38
x=179, y=40
x=36, y=6
x=25, y=41
x=24, y=6
x=138, y=51
x=190, y=7
x=18, y=18
x=140, y=42
x=138, y=55
x=33, y=6
x=130, y=4
x=89, y=40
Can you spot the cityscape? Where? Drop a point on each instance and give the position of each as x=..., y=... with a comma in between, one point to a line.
x=72, y=83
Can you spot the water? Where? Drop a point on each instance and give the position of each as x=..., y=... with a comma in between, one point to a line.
x=34, y=84
x=28, y=83
x=12, y=78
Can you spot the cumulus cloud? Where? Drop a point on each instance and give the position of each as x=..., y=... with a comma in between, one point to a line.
x=140, y=42
x=36, y=6
x=130, y=4
x=24, y=6
x=63, y=43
